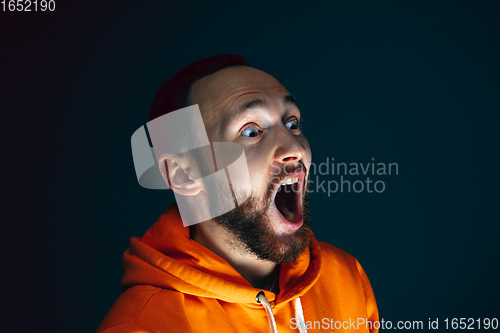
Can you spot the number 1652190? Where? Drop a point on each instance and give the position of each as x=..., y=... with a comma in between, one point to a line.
x=28, y=5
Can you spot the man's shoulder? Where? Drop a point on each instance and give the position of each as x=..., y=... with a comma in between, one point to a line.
x=342, y=274
x=337, y=259
x=137, y=305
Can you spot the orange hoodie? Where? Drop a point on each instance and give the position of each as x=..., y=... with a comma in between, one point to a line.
x=173, y=284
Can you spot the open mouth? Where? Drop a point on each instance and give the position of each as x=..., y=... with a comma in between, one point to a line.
x=287, y=198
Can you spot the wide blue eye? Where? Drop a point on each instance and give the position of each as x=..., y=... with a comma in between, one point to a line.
x=250, y=132
x=292, y=124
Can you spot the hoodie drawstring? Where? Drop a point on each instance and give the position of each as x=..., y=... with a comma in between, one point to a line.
x=299, y=315
x=270, y=318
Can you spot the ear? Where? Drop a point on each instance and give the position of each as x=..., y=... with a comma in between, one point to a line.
x=180, y=175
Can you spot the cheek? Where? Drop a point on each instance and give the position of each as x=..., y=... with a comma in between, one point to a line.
x=258, y=169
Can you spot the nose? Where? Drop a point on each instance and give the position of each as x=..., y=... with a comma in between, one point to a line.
x=288, y=149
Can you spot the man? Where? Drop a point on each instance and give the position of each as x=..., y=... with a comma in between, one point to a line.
x=258, y=267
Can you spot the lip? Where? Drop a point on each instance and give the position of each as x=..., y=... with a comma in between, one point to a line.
x=297, y=223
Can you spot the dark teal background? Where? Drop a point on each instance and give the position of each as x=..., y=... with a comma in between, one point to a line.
x=416, y=84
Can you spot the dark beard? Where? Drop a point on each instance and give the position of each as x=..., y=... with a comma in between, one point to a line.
x=252, y=228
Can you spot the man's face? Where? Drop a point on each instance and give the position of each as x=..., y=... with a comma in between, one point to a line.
x=249, y=107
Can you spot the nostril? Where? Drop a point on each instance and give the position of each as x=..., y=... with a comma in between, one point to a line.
x=286, y=159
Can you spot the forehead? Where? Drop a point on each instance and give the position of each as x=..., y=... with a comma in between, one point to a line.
x=219, y=93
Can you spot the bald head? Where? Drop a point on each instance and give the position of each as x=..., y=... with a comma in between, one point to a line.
x=220, y=93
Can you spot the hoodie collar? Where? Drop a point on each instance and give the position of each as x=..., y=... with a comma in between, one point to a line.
x=166, y=257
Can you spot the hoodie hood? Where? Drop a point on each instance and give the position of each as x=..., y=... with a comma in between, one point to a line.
x=167, y=258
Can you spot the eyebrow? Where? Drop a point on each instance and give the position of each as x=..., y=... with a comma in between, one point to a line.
x=256, y=103
x=291, y=100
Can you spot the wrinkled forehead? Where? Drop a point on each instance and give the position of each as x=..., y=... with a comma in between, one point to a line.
x=219, y=93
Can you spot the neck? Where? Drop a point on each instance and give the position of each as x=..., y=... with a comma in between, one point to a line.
x=259, y=273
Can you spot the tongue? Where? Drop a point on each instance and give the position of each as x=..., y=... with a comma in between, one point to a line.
x=285, y=202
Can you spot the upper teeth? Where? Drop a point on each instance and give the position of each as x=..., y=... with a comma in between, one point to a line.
x=290, y=181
